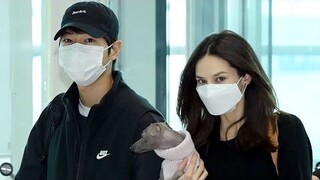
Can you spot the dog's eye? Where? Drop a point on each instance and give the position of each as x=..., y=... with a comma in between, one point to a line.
x=143, y=134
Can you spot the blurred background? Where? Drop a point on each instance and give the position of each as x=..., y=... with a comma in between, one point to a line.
x=158, y=37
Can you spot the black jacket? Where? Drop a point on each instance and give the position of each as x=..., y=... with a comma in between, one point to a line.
x=101, y=149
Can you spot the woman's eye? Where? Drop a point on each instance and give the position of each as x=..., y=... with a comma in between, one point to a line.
x=201, y=81
x=220, y=79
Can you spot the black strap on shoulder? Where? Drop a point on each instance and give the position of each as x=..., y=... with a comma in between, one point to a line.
x=53, y=118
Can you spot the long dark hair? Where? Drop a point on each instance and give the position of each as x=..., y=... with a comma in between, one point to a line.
x=260, y=98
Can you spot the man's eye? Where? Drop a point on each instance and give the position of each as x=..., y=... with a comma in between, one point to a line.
x=67, y=40
x=90, y=40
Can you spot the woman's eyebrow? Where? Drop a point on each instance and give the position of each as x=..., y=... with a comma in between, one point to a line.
x=214, y=75
x=219, y=73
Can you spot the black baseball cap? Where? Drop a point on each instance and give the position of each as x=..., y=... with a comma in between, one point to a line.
x=91, y=17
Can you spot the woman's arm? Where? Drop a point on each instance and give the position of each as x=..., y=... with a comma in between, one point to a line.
x=295, y=154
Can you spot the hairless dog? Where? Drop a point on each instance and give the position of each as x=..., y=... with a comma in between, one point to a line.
x=171, y=145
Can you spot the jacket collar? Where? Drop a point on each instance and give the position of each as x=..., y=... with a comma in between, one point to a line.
x=72, y=94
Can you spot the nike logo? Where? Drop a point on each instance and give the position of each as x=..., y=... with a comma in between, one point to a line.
x=102, y=154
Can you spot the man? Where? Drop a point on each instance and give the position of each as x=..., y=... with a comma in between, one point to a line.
x=101, y=116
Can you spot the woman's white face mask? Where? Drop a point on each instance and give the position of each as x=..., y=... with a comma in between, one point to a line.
x=220, y=98
x=83, y=63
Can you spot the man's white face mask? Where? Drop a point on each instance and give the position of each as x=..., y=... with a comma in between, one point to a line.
x=83, y=63
x=220, y=98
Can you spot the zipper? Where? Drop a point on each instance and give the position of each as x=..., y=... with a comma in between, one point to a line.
x=83, y=144
x=79, y=162
x=76, y=158
x=77, y=153
x=77, y=141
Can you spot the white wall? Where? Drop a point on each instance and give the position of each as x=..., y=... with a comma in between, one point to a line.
x=21, y=62
x=5, y=92
x=5, y=89
x=16, y=78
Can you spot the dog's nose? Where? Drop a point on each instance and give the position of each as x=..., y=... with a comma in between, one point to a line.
x=131, y=148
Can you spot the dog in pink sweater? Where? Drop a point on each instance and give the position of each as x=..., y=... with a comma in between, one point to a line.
x=172, y=146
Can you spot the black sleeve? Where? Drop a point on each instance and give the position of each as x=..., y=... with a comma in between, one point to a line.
x=34, y=160
x=33, y=165
x=147, y=165
x=295, y=154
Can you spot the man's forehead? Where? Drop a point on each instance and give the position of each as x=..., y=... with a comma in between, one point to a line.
x=72, y=30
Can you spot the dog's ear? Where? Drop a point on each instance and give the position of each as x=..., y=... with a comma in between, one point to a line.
x=155, y=129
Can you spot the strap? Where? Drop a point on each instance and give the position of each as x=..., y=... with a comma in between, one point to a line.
x=55, y=112
x=52, y=117
x=274, y=156
x=274, y=140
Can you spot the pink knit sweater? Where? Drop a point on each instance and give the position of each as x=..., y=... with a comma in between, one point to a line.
x=173, y=156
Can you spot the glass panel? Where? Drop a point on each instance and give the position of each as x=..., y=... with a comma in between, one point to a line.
x=176, y=14
x=295, y=62
x=176, y=59
x=175, y=67
x=36, y=86
x=36, y=65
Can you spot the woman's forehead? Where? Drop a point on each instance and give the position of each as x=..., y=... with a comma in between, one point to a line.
x=210, y=65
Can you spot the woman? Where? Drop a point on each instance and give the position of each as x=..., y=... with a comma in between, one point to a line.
x=228, y=105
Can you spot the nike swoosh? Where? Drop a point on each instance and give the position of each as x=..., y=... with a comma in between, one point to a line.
x=100, y=156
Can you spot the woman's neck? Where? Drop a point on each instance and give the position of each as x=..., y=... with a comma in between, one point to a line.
x=230, y=118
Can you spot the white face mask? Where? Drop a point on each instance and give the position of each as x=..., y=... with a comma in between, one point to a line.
x=220, y=98
x=83, y=63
